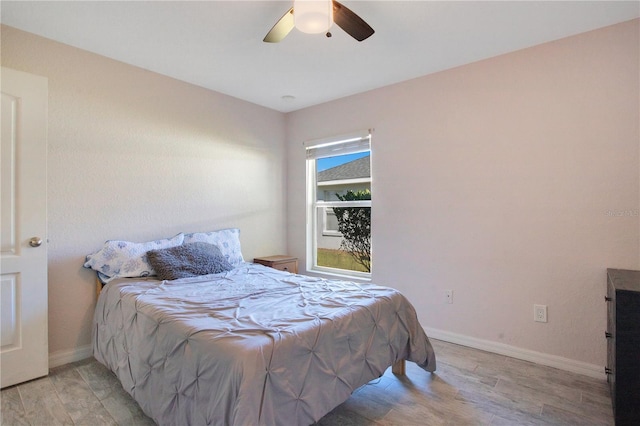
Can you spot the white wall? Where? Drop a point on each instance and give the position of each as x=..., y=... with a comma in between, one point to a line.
x=494, y=179
x=138, y=156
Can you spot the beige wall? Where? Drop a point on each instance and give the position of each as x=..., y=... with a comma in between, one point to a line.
x=518, y=160
x=138, y=156
x=494, y=179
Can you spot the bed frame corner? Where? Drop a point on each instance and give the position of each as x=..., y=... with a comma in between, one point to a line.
x=99, y=286
x=399, y=368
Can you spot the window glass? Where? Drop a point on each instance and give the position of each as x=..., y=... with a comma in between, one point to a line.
x=339, y=190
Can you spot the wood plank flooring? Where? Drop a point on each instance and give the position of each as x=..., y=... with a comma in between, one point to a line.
x=470, y=387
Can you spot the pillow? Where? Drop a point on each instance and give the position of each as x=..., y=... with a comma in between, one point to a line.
x=227, y=240
x=118, y=259
x=188, y=260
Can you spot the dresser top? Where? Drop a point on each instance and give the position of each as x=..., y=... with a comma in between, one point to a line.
x=276, y=258
x=624, y=279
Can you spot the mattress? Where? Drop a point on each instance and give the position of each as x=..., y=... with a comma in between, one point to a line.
x=252, y=346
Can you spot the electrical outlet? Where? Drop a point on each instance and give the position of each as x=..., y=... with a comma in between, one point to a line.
x=449, y=296
x=540, y=313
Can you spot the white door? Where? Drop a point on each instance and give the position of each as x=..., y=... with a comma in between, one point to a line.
x=24, y=347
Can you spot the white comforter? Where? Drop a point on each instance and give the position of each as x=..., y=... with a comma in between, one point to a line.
x=253, y=346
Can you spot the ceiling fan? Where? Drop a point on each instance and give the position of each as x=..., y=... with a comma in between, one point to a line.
x=315, y=16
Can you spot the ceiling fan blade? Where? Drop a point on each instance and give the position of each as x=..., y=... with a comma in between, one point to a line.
x=281, y=28
x=351, y=23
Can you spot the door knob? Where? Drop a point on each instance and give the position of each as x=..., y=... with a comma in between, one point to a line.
x=35, y=242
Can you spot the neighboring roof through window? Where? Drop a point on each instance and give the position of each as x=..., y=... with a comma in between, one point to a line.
x=356, y=169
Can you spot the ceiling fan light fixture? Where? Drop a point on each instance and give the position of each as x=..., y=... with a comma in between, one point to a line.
x=317, y=16
x=313, y=16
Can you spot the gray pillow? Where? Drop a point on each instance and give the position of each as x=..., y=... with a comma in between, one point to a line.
x=188, y=260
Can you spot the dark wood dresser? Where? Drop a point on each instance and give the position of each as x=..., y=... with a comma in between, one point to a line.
x=623, y=344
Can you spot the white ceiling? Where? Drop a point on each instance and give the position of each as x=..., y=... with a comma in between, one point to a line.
x=218, y=44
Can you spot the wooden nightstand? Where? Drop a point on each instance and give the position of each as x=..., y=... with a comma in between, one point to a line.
x=280, y=262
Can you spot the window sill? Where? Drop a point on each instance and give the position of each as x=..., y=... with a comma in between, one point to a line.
x=333, y=273
x=331, y=234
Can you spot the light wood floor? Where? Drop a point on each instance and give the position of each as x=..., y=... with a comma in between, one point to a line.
x=470, y=387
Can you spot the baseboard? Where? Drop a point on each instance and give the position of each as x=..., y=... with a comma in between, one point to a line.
x=555, y=361
x=59, y=358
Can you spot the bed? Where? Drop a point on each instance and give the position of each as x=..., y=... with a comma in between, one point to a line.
x=251, y=345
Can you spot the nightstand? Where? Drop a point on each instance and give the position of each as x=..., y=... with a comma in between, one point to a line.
x=280, y=262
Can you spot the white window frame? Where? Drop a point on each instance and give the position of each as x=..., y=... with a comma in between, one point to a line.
x=346, y=144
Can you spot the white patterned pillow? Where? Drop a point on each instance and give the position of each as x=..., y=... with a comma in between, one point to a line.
x=227, y=240
x=119, y=259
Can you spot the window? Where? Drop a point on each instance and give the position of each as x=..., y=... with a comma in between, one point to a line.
x=330, y=223
x=339, y=205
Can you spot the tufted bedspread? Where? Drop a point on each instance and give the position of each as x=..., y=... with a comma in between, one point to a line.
x=253, y=346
